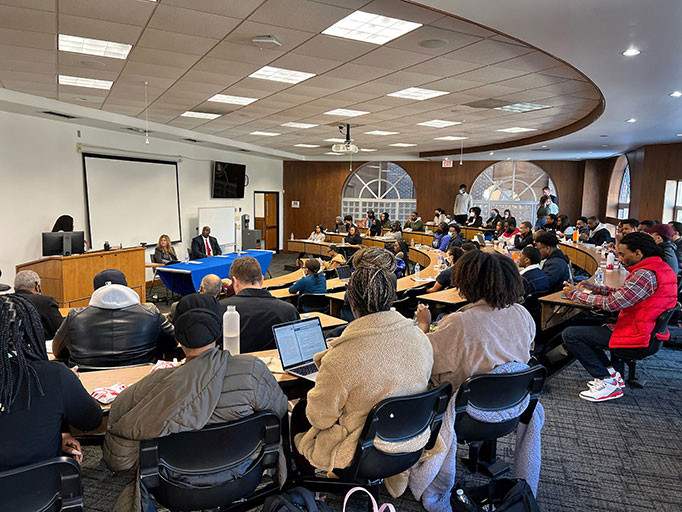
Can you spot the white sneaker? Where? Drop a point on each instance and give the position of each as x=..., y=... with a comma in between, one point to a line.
x=602, y=390
x=616, y=376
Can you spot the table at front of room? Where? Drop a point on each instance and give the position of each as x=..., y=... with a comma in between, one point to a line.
x=185, y=278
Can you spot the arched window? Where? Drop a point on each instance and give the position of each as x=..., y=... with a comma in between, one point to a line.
x=379, y=186
x=624, y=195
x=512, y=185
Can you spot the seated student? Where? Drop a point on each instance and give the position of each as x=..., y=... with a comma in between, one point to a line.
x=339, y=226
x=366, y=364
x=525, y=235
x=491, y=330
x=563, y=227
x=441, y=238
x=507, y=214
x=373, y=224
x=402, y=257
x=396, y=231
x=258, y=309
x=348, y=222
x=662, y=233
x=581, y=225
x=474, y=220
x=115, y=329
x=212, y=386
x=37, y=395
x=647, y=224
x=510, y=232
x=499, y=229
x=677, y=239
x=205, y=245
x=470, y=245
x=385, y=221
x=493, y=219
x=318, y=234
x=598, y=234
x=439, y=216
x=353, y=237
x=554, y=262
x=551, y=223
x=211, y=285
x=336, y=260
x=625, y=227
x=649, y=289
x=534, y=279
x=164, y=252
x=456, y=238
x=27, y=284
x=313, y=281
x=444, y=278
x=414, y=223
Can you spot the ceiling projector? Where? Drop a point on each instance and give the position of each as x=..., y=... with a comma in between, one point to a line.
x=346, y=147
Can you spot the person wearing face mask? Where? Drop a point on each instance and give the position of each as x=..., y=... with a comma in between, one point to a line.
x=493, y=219
x=463, y=203
x=456, y=238
x=506, y=214
x=442, y=237
x=475, y=220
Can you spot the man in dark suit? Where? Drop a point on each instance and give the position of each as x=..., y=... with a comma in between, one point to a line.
x=205, y=245
x=27, y=284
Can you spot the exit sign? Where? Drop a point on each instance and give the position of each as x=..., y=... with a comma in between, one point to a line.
x=447, y=163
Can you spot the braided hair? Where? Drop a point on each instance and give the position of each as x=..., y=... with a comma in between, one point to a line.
x=371, y=288
x=21, y=339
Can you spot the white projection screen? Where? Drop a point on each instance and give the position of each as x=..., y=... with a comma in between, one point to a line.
x=131, y=200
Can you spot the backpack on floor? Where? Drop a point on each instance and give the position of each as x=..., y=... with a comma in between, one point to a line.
x=502, y=495
x=298, y=499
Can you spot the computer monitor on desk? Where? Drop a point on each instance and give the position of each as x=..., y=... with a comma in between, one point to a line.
x=63, y=243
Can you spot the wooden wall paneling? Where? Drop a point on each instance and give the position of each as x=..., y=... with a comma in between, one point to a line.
x=661, y=162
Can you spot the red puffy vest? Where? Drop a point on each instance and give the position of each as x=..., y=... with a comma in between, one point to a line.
x=635, y=324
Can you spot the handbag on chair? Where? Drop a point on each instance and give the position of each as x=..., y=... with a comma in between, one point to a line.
x=501, y=495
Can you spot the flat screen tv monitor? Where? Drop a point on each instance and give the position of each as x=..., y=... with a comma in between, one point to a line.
x=228, y=180
x=63, y=243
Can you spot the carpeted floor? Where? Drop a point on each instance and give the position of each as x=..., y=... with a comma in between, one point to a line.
x=622, y=456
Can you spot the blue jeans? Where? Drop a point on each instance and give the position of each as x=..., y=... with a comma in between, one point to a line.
x=587, y=343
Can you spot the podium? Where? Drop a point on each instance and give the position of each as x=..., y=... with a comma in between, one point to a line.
x=69, y=278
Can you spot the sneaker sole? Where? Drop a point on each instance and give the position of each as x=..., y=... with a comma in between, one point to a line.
x=609, y=397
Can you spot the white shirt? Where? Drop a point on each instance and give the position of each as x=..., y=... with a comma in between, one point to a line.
x=529, y=267
x=463, y=203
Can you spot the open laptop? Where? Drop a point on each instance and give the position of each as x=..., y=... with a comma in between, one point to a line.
x=343, y=273
x=297, y=343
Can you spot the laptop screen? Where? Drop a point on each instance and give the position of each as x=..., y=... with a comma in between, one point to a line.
x=343, y=272
x=299, y=341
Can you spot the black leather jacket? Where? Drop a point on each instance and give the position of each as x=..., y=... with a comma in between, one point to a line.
x=98, y=337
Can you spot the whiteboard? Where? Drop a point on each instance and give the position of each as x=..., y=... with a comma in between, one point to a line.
x=131, y=200
x=222, y=223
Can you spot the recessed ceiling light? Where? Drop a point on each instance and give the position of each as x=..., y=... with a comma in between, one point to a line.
x=402, y=145
x=201, y=115
x=281, y=75
x=307, y=145
x=437, y=123
x=305, y=126
x=381, y=132
x=491, y=153
x=544, y=146
x=508, y=158
x=265, y=134
x=335, y=139
x=76, y=44
x=517, y=129
x=371, y=28
x=346, y=112
x=367, y=150
x=631, y=120
x=631, y=52
x=522, y=107
x=679, y=134
x=416, y=93
x=605, y=145
x=85, y=82
x=451, y=137
x=676, y=94
x=332, y=153
x=234, y=100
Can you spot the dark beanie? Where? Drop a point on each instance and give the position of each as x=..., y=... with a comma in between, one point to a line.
x=197, y=300
x=197, y=328
x=110, y=276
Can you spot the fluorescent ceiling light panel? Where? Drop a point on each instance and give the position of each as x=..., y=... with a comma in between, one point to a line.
x=367, y=150
x=517, y=129
x=346, y=112
x=370, y=28
x=76, y=44
x=233, y=100
x=200, y=115
x=307, y=145
x=631, y=52
x=265, y=134
x=287, y=76
x=437, y=123
x=340, y=141
x=631, y=120
x=522, y=107
x=332, y=153
x=416, y=93
x=451, y=137
x=402, y=145
x=305, y=126
x=85, y=82
x=676, y=94
x=381, y=132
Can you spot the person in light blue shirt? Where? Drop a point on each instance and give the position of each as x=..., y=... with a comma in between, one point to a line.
x=311, y=282
x=442, y=237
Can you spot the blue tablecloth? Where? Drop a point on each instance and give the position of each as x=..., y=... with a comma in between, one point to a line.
x=185, y=278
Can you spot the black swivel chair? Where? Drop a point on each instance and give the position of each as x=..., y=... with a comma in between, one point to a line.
x=392, y=420
x=494, y=392
x=622, y=356
x=405, y=306
x=48, y=486
x=229, y=474
x=313, y=302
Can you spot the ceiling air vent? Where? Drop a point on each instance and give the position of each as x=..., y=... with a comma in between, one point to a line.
x=540, y=149
x=487, y=103
x=58, y=114
x=135, y=130
x=244, y=150
x=193, y=141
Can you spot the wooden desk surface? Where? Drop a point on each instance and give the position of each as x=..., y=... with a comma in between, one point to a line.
x=614, y=279
x=282, y=293
x=449, y=296
x=337, y=295
x=327, y=321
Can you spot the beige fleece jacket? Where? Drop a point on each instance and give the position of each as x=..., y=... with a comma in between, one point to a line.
x=378, y=356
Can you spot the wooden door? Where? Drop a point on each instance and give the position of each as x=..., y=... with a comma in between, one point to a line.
x=270, y=234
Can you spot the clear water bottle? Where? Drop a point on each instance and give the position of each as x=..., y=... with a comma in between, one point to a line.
x=417, y=271
x=231, y=330
x=440, y=259
x=292, y=236
x=461, y=496
x=599, y=277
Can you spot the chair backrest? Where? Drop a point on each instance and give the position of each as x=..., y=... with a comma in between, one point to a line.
x=405, y=306
x=660, y=328
x=314, y=302
x=393, y=420
x=496, y=392
x=187, y=471
x=50, y=485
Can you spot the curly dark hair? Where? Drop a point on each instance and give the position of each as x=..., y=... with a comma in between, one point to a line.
x=488, y=276
x=643, y=242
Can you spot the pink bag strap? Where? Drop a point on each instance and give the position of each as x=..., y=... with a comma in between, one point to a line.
x=376, y=508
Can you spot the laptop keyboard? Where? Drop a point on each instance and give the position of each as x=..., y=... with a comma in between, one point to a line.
x=305, y=369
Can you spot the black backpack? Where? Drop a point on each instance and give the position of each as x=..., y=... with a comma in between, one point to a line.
x=503, y=495
x=298, y=499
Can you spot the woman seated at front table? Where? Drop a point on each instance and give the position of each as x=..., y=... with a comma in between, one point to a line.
x=441, y=238
x=313, y=281
x=493, y=219
x=445, y=277
x=353, y=237
x=491, y=330
x=164, y=252
x=474, y=220
x=563, y=227
x=385, y=220
x=318, y=234
x=380, y=354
